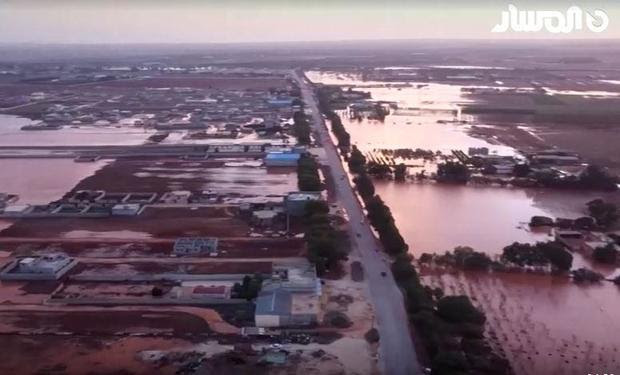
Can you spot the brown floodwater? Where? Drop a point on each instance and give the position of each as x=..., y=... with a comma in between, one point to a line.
x=40, y=181
x=543, y=324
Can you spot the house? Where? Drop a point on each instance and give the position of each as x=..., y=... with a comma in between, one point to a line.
x=195, y=246
x=282, y=159
x=46, y=267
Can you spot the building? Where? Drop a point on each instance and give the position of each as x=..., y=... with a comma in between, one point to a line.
x=127, y=209
x=280, y=308
x=211, y=291
x=295, y=202
x=47, y=267
x=264, y=218
x=282, y=159
x=195, y=246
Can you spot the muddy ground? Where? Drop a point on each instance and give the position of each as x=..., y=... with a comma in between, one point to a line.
x=152, y=222
x=101, y=248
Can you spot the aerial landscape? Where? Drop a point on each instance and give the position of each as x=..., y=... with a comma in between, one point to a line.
x=314, y=204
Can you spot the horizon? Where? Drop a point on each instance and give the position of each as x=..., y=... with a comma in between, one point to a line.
x=272, y=21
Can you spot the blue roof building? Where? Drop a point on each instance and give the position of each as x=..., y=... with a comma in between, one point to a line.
x=282, y=159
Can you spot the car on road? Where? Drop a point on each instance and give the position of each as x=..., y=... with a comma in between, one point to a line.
x=359, y=235
x=383, y=274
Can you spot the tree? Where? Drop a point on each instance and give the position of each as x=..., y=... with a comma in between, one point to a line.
x=454, y=172
x=364, y=186
x=459, y=309
x=157, y=291
x=604, y=213
x=557, y=255
x=400, y=172
x=357, y=161
x=595, y=177
x=308, y=178
x=521, y=170
x=249, y=287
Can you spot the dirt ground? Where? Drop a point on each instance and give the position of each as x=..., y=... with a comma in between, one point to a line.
x=160, y=247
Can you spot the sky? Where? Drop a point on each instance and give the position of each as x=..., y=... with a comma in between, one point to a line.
x=226, y=21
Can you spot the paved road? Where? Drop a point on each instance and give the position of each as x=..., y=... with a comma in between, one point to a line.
x=397, y=354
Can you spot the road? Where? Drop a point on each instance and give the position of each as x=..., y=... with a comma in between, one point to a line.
x=396, y=352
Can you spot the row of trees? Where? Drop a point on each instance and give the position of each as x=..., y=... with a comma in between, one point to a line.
x=322, y=240
x=343, y=137
x=308, y=178
x=301, y=128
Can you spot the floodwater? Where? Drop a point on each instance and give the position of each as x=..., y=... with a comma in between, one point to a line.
x=434, y=217
x=40, y=181
x=542, y=324
x=236, y=177
x=12, y=135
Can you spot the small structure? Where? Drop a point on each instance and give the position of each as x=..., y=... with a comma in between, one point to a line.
x=195, y=246
x=47, y=267
x=295, y=202
x=176, y=197
x=211, y=291
x=282, y=159
x=16, y=210
x=126, y=209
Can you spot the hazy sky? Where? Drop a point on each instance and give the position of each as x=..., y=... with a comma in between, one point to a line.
x=159, y=21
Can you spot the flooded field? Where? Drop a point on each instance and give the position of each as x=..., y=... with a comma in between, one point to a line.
x=40, y=181
x=12, y=135
x=542, y=324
